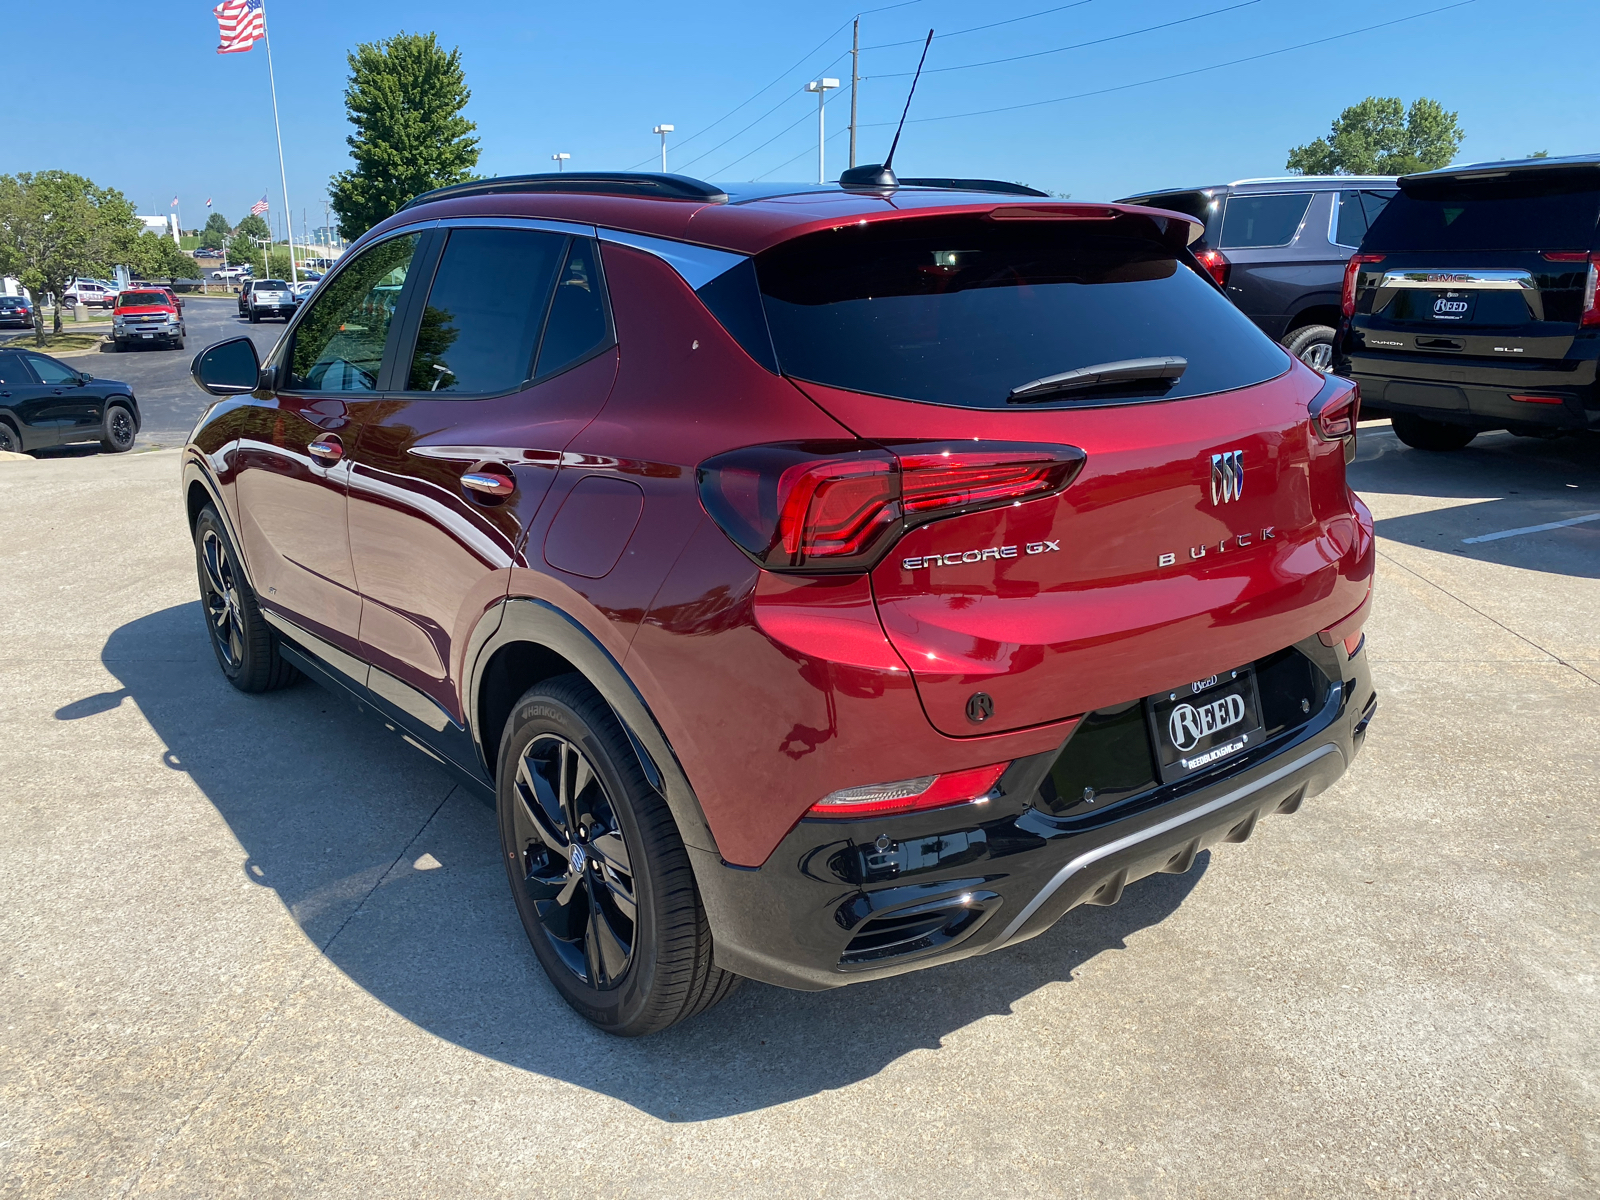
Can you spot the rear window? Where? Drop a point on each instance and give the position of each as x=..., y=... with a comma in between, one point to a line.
x=1355, y=213
x=1253, y=222
x=129, y=299
x=1548, y=214
x=271, y=285
x=961, y=311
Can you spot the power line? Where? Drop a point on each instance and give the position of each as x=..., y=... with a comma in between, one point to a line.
x=1121, y=87
x=979, y=28
x=990, y=62
x=769, y=141
x=734, y=137
x=756, y=178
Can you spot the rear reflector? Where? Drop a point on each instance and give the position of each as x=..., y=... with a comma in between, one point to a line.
x=1216, y=264
x=1538, y=399
x=911, y=795
x=838, y=506
x=1352, y=277
x=1352, y=644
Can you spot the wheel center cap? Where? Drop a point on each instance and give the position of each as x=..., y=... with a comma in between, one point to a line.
x=579, y=858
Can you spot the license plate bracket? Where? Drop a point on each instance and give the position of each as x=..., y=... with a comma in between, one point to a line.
x=1197, y=725
x=1453, y=306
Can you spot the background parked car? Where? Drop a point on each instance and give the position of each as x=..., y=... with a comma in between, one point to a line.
x=302, y=291
x=44, y=402
x=1278, y=247
x=267, y=298
x=147, y=315
x=1472, y=304
x=16, y=310
x=89, y=294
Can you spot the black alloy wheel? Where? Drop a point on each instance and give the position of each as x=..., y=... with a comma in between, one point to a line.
x=10, y=443
x=116, y=429
x=246, y=649
x=598, y=872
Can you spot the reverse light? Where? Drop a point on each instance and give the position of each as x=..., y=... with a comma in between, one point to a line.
x=1216, y=265
x=839, y=505
x=911, y=795
x=1352, y=275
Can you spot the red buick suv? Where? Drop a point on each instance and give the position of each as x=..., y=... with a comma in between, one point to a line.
x=823, y=582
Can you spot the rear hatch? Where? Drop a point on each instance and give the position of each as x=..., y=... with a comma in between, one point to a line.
x=1478, y=278
x=1209, y=525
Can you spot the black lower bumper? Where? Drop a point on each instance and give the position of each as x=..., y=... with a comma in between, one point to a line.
x=843, y=901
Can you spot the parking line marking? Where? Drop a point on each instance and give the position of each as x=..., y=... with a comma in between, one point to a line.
x=1505, y=533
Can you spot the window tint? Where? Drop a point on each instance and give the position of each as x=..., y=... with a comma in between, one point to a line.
x=1357, y=211
x=129, y=299
x=1551, y=213
x=271, y=285
x=50, y=371
x=13, y=369
x=481, y=322
x=338, y=344
x=1256, y=221
x=577, y=325
x=960, y=311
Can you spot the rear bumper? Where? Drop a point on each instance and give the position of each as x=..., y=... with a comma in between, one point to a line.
x=843, y=901
x=1482, y=407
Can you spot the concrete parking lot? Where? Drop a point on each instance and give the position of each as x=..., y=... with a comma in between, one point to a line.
x=257, y=947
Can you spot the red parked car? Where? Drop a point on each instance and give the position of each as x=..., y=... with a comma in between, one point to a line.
x=826, y=582
x=147, y=315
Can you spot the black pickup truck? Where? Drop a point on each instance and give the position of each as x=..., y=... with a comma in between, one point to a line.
x=1279, y=247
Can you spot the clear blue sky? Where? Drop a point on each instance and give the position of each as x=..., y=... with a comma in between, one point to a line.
x=592, y=79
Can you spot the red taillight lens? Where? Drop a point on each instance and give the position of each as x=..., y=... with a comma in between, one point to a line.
x=1216, y=265
x=1591, y=285
x=1352, y=276
x=911, y=795
x=1335, y=409
x=838, y=506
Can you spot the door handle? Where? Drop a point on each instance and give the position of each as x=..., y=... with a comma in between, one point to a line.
x=327, y=448
x=490, y=483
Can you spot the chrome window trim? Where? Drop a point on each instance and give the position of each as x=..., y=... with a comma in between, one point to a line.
x=570, y=228
x=695, y=265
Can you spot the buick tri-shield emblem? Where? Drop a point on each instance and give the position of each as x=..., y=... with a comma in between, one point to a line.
x=1227, y=476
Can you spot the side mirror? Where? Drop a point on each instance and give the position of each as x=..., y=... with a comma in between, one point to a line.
x=85, y=377
x=229, y=368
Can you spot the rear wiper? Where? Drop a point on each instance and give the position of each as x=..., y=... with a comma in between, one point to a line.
x=1111, y=374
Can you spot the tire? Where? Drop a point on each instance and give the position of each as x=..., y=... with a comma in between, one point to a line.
x=614, y=917
x=117, y=429
x=10, y=442
x=245, y=646
x=1422, y=434
x=177, y=342
x=1312, y=345
x=118, y=345
x=254, y=319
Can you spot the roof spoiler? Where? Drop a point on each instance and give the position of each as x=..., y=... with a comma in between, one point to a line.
x=1492, y=172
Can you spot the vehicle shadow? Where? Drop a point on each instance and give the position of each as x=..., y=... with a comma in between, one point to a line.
x=1505, y=483
x=394, y=874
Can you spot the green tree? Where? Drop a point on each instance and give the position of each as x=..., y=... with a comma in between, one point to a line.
x=1380, y=136
x=55, y=225
x=215, y=235
x=405, y=98
x=154, y=256
x=254, y=226
x=242, y=252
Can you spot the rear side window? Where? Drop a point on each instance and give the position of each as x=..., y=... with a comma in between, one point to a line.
x=577, y=326
x=961, y=311
x=13, y=369
x=1256, y=222
x=1356, y=211
x=481, y=323
x=1548, y=214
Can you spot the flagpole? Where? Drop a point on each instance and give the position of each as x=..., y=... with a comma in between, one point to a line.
x=283, y=176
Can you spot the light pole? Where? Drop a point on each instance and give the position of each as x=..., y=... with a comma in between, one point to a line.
x=663, y=130
x=561, y=161
x=821, y=87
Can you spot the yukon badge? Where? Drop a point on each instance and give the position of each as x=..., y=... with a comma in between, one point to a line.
x=1227, y=476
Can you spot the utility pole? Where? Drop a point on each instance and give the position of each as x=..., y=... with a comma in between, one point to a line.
x=561, y=161
x=855, y=84
x=821, y=87
x=663, y=130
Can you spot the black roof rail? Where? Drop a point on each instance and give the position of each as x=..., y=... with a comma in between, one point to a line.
x=975, y=185
x=604, y=183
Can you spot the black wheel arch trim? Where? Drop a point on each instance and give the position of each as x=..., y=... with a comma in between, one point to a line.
x=541, y=623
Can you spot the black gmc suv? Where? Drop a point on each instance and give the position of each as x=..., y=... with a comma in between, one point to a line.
x=1472, y=305
x=1278, y=247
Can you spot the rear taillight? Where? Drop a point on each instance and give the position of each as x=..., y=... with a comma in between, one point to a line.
x=839, y=506
x=911, y=795
x=1336, y=409
x=1591, y=283
x=1216, y=265
x=1352, y=276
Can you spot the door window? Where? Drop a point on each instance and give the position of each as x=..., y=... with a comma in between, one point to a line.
x=577, y=325
x=51, y=372
x=338, y=345
x=1357, y=212
x=481, y=323
x=1253, y=222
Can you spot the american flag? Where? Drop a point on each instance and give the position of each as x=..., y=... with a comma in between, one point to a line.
x=259, y=207
x=242, y=23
